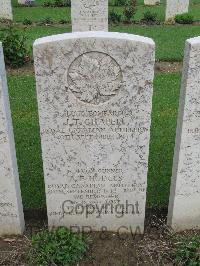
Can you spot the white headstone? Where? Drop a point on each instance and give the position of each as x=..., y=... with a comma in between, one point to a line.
x=151, y=2
x=6, y=10
x=26, y=2
x=11, y=211
x=94, y=92
x=89, y=15
x=175, y=7
x=184, y=204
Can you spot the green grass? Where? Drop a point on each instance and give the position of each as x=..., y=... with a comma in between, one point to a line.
x=38, y=12
x=58, y=247
x=170, y=40
x=163, y=130
x=26, y=129
x=187, y=249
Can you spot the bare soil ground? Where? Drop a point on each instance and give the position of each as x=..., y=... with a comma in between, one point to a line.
x=160, y=67
x=155, y=247
x=168, y=67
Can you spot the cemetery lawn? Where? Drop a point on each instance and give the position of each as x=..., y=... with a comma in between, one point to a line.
x=170, y=40
x=38, y=12
x=26, y=130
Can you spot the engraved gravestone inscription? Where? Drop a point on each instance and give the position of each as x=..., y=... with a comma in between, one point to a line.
x=89, y=15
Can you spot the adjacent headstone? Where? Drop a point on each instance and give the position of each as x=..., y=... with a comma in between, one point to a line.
x=184, y=204
x=11, y=211
x=26, y=2
x=6, y=10
x=175, y=7
x=89, y=15
x=94, y=92
x=151, y=2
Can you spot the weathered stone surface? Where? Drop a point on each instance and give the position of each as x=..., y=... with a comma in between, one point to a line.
x=184, y=207
x=89, y=15
x=94, y=93
x=151, y=2
x=175, y=7
x=11, y=212
x=6, y=9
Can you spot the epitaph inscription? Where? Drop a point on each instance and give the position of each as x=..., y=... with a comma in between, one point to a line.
x=89, y=15
x=11, y=212
x=94, y=94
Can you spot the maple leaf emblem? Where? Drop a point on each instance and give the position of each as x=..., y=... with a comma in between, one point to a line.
x=95, y=77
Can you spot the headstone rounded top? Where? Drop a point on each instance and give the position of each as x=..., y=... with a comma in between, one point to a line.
x=94, y=34
x=195, y=40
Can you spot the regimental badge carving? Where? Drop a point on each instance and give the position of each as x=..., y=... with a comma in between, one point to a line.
x=95, y=77
x=90, y=3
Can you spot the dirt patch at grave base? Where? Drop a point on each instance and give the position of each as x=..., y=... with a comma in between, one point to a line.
x=168, y=67
x=155, y=247
x=25, y=70
x=13, y=250
x=160, y=67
